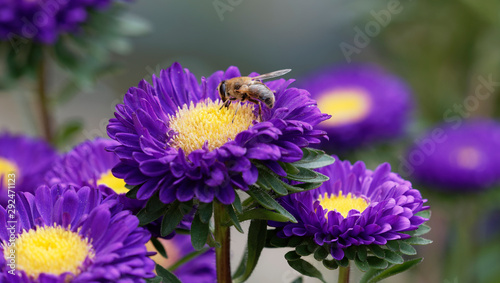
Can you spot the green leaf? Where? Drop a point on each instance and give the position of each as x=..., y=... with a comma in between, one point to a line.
x=406, y=248
x=255, y=244
x=393, y=257
x=376, y=276
x=271, y=182
x=362, y=265
x=237, y=204
x=298, y=280
x=159, y=247
x=268, y=202
x=199, y=233
x=289, y=168
x=166, y=275
x=276, y=241
x=308, y=176
x=65, y=56
x=171, y=219
x=307, y=269
x=67, y=132
x=350, y=252
x=344, y=262
x=132, y=193
x=418, y=241
x=187, y=258
x=234, y=218
x=314, y=158
x=205, y=212
x=263, y=214
x=156, y=279
x=377, y=263
x=153, y=210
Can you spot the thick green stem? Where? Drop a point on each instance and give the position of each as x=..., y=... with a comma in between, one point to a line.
x=43, y=102
x=344, y=274
x=222, y=237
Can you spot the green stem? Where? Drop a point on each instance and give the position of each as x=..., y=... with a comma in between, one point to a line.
x=222, y=237
x=344, y=274
x=43, y=102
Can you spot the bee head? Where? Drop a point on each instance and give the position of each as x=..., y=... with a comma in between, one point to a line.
x=222, y=90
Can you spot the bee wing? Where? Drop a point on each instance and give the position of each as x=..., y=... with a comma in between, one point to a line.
x=272, y=74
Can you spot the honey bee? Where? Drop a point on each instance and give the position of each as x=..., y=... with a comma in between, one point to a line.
x=249, y=89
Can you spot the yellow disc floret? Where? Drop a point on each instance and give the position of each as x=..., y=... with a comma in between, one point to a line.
x=345, y=105
x=342, y=204
x=208, y=122
x=53, y=250
x=7, y=167
x=116, y=184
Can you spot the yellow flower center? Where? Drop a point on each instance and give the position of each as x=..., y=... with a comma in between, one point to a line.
x=116, y=184
x=468, y=157
x=345, y=105
x=53, y=250
x=343, y=204
x=206, y=122
x=6, y=168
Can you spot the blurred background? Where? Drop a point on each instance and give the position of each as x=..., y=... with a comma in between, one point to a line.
x=442, y=49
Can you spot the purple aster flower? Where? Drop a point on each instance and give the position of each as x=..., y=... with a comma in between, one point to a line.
x=458, y=157
x=176, y=139
x=45, y=20
x=200, y=269
x=63, y=234
x=27, y=158
x=89, y=164
x=356, y=207
x=366, y=103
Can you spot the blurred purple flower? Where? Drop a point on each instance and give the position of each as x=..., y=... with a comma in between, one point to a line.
x=465, y=157
x=45, y=20
x=181, y=164
x=367, y=104
x=28, y=158
x=356, y=206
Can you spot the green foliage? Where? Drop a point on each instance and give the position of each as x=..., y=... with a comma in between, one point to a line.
x=306, y=269
x=165, y=275
x=255, y=244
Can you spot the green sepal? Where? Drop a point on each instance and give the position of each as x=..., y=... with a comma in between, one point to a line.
x=199, y=233
x=292, y=255
x=330, y=264
x=295, y=241
x=314, y=158
x=418, y=241
x=159, y=247
x=321, y=253
x=422, y=230
x=362, y=253
x=374, y=275
x=269, y=181
x=377, y=251
x=406, y=249
x=303, y=250
x=361, y=264
x=393, y=245
x=393, y=257
x=377, y=263
x=307, y=269
x=344, y=262
x=307, y=176
x=166, y=275
x=268, y=202
x=350, y=252
x=132, y=191
x=274, y=241
x=153, y=210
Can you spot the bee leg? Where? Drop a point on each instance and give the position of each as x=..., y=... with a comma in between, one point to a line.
x=260, y=108
x=226, y=103
x=236, y=111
